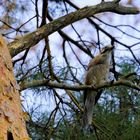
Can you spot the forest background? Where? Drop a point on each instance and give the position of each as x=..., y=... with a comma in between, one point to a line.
x=50, y=57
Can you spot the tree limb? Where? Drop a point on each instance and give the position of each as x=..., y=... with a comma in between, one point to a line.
x=39, y=83
x=33, y=38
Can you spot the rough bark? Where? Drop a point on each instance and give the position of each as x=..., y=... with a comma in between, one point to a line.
x=12, y=123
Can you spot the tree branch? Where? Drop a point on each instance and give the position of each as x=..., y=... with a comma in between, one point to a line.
x=39, y=83
x=33, y=38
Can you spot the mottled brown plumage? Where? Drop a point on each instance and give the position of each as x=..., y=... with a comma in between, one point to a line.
x=97, y=73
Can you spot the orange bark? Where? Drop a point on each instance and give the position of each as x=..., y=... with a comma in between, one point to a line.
x=12, y=123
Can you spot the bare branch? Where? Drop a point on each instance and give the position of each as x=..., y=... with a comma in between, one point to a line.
x=33, y=38
x=39, y=83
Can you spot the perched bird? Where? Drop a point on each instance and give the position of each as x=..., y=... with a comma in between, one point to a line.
x=97, y=73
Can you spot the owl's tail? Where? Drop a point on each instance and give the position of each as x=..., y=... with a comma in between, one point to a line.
x=90, y=100
x=89, y=105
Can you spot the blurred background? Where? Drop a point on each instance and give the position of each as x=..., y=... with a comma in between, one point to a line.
x=63, y=57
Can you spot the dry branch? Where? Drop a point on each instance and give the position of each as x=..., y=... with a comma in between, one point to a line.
x=33, y=38
x=46, y=83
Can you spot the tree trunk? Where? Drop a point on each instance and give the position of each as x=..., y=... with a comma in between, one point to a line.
x=12, y=123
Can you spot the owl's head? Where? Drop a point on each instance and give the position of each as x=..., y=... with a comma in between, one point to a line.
x=107, y=49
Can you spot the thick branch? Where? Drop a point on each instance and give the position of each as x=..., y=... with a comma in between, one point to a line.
x=33, y=38
x=39, y=83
